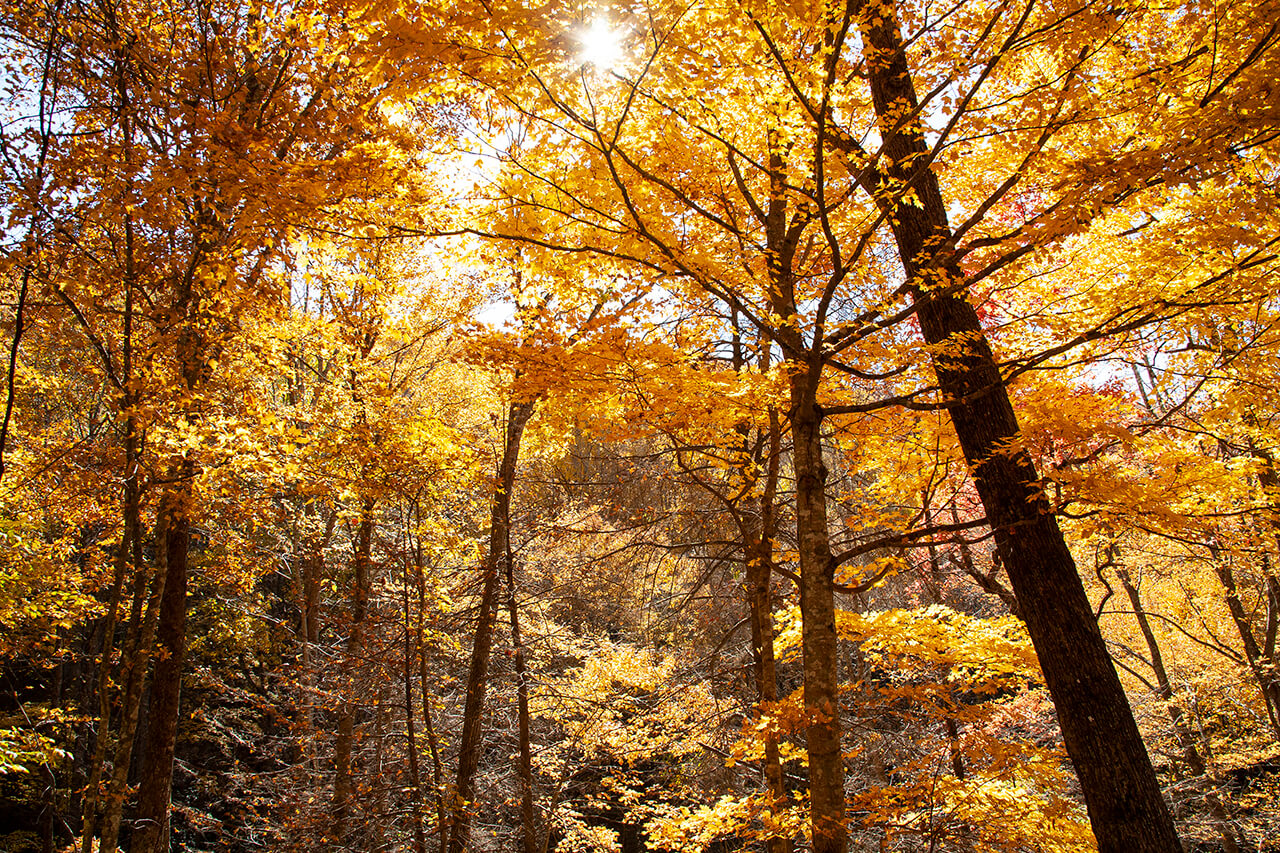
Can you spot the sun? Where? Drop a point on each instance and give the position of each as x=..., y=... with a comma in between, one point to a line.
x=601, y=45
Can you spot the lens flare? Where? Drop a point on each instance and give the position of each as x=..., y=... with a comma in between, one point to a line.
x=601, y=45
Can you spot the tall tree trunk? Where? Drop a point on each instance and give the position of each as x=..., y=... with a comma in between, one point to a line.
x=50, y=811
x=309, y=573
x=1267, y=667
x=818, y=614
x=437, y=766
x=518, y=415
x=373, y=827
x=151, y=828
x=129, y=554
x=194, y=356
x=311, y=576
x=130, y=551
x=344, y=742
x=756, y=526
x=1121, y=792
x=818, y=641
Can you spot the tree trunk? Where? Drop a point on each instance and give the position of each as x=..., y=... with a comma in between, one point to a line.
x=1266, y=667
x=1121, y=792
x=758, y=551
x=1186, y=738
x=129, y=554
x=1264, y=676
x=473, y=713
x=130, y=551
x=415, y=777
x=344, y=741
x=373, y=832
x=194, y=356
x=524, y=767
x=437, y=766
x=818, y=614
x=308, y=575
x=50, y=813
x=818, y=642
x=424, y=680
x=151, y=828
x=138, y=653
x=756, y=527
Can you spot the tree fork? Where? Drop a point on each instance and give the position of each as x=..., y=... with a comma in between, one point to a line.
x=818, y=640
x=757, y=527
x=139, y=657
x=473, y=713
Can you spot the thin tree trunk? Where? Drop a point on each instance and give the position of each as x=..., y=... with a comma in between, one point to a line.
x=344, y=741
x=194, y=356
x=1266, y=680
x=309, y=574
x=756, y=526
x=415, y=778
x=128, y=548
x=1120, y=789
x=1267, y=668
x=524, y=768
x=46, y=104
x=50, y=813
x=437, y=767
x=130, y=552
x=375, y=815
x=818, y=640
x=473, y=713
x=759, y=584
x=1164, y=689
x=312, y=578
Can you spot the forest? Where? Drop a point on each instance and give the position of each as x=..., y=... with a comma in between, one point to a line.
x=558, y=426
